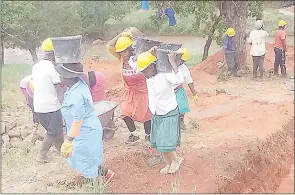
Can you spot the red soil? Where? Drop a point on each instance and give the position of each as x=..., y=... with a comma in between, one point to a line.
x=227, y=154
x=210, y=65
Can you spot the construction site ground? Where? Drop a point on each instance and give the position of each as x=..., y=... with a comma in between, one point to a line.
x=239, y=139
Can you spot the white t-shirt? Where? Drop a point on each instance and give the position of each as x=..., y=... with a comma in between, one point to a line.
x=45, y=96
x=257, y=38
x=186, y=75
x=162, y=98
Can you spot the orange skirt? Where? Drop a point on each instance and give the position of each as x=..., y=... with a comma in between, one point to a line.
x=135, y=104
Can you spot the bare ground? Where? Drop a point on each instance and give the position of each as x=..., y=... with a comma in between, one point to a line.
x=239, y=139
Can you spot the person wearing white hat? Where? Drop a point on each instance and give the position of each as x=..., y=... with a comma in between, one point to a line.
x=257, y=40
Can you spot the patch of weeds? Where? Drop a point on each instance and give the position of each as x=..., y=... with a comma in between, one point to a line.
x=19, y=157
x=223, y=76
x=96, y=57
x=194, y=60
x=94, y=187
x=11, y=77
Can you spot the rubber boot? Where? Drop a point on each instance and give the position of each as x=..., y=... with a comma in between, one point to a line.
x=58, y=141
x=45, y=146
x=283, y=71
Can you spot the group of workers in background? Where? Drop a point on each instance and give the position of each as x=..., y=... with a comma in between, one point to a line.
x=257, y=39
x=63, y=95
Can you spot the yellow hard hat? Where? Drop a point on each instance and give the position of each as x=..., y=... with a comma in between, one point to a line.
x=123, y=43
x=230, y=32
x=144, y=60
x=31, y=85
x=47, y=45
x=184, y=56
x=281, y=23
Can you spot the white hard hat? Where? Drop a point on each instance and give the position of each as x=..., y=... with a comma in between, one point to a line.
x=258, y=24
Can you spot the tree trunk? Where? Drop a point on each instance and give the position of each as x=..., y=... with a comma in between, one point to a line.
x=236, y=17
x=210, y=38
x=34, y=55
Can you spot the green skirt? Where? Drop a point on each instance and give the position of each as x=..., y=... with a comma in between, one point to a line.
x=165, y=131
x=182, y=101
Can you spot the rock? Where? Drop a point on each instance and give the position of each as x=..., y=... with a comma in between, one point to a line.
x=3, y=128
x=14, y=133
x=11, y=125
x=5, y=138
x=219, y=91
x=5, y=143
x=25, y=131
x=32, y=138
x=15, y=142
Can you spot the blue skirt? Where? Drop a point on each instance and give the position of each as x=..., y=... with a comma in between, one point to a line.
x=182, y=101
x=165, y=131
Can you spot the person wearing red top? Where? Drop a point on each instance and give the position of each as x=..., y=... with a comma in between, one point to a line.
x=280, y=49
x=97, y=85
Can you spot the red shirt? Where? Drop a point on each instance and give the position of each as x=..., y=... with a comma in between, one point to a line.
x=280, y=35
x=98, y=91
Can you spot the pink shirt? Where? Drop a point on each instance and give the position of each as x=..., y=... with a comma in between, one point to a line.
x=24, y=84
x=98, y=91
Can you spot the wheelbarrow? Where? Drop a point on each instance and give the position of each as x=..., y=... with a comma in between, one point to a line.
x=105, y=112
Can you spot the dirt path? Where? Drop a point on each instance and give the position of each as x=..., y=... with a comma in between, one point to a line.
x=221, y=131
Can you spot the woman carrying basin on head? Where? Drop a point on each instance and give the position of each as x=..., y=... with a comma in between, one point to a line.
x=181, y=96
x=134, y=103
x=83, y=143
x=165, y=128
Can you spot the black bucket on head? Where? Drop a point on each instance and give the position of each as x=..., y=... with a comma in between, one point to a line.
x=143, y=44
x=163, y=65
x=67, y=49
x=173, y=47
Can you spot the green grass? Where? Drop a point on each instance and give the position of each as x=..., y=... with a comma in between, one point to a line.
x=11, y=77
x=148, y=23
x=194, y=60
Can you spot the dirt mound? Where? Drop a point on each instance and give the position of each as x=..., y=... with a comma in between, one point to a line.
x=210, y=65
x=109, y=68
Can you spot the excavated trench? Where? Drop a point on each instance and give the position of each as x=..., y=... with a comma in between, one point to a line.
x=264, y=165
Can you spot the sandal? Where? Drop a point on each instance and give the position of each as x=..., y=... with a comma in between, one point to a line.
x=110, y=174
x=175, y=166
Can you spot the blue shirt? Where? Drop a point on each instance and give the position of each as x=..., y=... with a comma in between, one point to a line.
x=170, y=13
x=229, y=44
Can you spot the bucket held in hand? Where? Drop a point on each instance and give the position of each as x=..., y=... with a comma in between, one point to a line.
x=163, y=65
x=67, y=49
